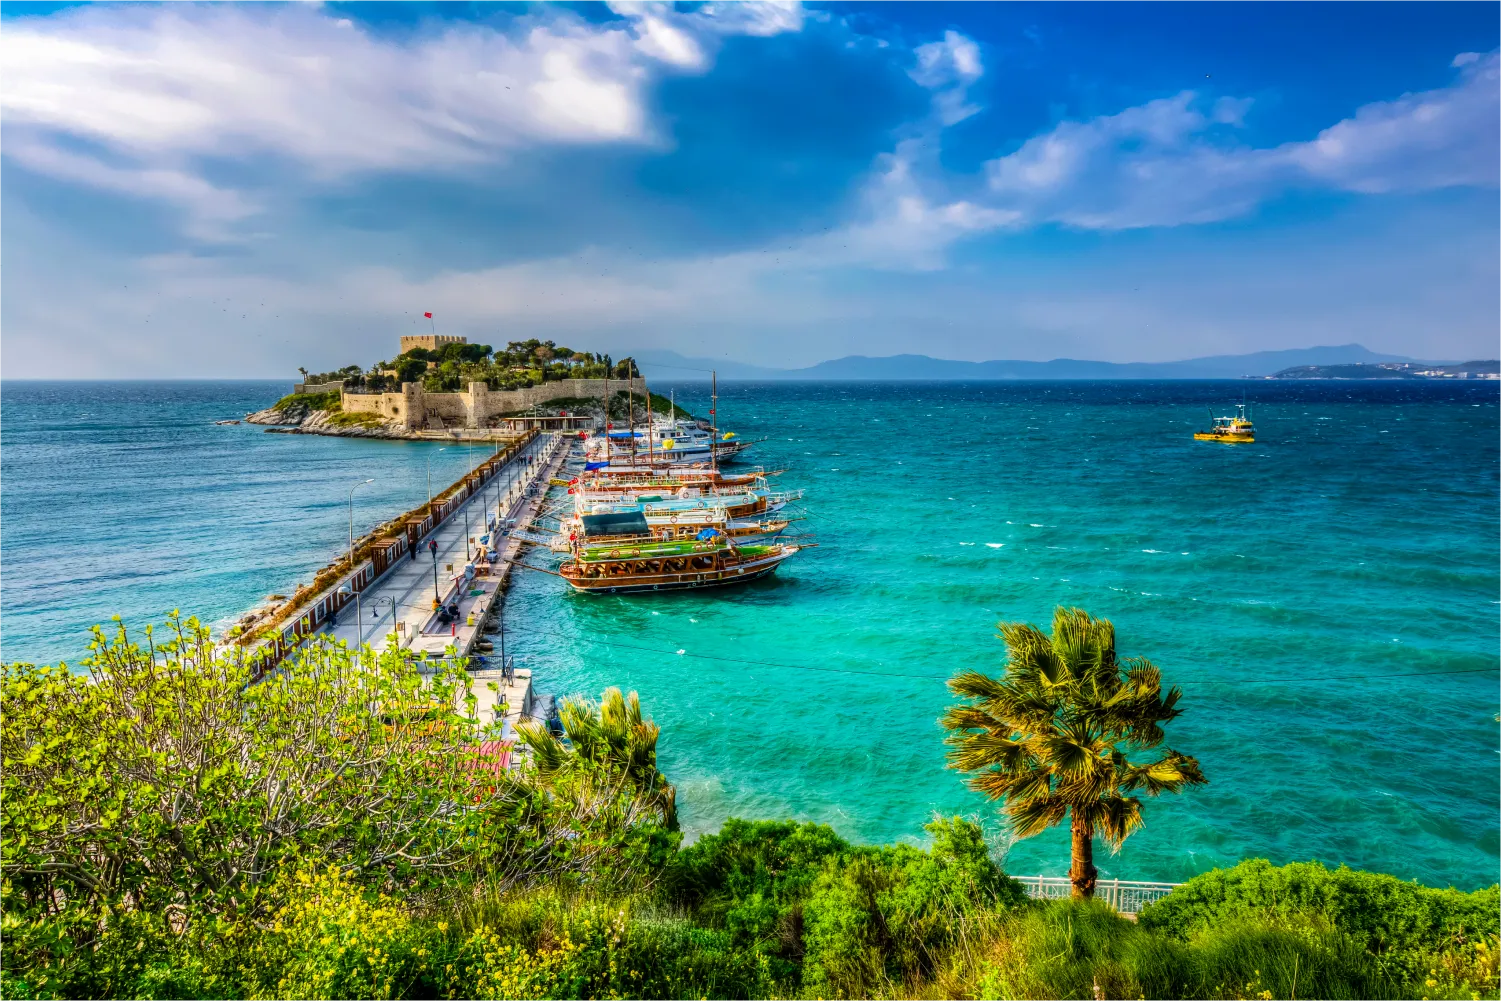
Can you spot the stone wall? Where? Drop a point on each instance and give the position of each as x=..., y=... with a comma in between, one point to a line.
x=317, y=387
x=478, y=407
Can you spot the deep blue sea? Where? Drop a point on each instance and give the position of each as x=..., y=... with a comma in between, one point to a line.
x=1327, y=598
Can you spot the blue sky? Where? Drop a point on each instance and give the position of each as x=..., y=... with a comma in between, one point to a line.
x=227, y=190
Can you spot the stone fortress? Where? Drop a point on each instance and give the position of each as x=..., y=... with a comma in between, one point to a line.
x=479, y=407
x=431, y=342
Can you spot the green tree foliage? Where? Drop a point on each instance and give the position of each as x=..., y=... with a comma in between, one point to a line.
x=164, y=786
x=410, y=369
x=1052, y=735
x=610, y=756
x=347, y=375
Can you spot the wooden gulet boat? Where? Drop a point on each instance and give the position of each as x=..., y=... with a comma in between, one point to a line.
x=633, y=565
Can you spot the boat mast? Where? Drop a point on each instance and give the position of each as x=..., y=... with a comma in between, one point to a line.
x=649, y=428
x=631, y=409
x=606, y=431
x=714, y=422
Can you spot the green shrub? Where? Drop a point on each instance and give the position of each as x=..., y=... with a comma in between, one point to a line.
x=331, y=939
x=555, y=944
x=313, y=401
x=882, y=916
x=1382, y=912
x=342, y=419
x=750, y=880
x=1082, y=949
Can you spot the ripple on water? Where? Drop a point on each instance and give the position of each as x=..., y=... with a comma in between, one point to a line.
x=1307, y=560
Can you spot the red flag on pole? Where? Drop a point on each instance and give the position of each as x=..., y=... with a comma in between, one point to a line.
x=428, y=315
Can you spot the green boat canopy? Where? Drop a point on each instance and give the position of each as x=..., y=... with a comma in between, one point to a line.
x=615, y=523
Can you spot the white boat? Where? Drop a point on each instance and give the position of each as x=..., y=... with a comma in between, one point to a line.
x=670, y=442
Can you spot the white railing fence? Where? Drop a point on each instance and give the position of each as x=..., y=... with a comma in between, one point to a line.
x=1128, y=896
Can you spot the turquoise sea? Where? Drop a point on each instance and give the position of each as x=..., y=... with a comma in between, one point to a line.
x=1327, y=597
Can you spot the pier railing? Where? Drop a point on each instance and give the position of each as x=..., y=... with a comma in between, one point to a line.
x=1128, y=896
x=335, y=586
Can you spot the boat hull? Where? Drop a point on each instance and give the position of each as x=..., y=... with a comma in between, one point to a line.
x=1210, y=436
x=640, y=584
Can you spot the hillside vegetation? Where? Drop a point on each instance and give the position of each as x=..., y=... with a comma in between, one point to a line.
x=334, y=832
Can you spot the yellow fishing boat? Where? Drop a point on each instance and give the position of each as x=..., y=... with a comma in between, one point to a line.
x=1237, y=428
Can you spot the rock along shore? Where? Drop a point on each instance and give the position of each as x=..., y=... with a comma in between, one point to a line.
x=301, y=419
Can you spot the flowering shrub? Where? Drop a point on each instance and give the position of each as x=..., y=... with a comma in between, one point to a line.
x=330, y=939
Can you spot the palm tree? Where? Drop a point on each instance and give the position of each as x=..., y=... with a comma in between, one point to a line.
x=1051, y=735
x=610, y=742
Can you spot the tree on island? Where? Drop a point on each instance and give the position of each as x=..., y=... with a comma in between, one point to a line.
x=1052, y=734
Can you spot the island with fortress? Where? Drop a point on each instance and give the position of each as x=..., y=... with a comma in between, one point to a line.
x=441, y=385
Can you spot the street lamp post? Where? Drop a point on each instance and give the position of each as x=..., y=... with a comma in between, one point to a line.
x=375, y=610
x=430, y=480
x=468, y=553
x=359, y=624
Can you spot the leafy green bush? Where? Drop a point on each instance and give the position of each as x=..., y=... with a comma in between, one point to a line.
x=751, y=879
x=881, y=916
x=313, y=401
x=1382, y=912
x=1084, y=949
x=342, y=419
x=556, y=944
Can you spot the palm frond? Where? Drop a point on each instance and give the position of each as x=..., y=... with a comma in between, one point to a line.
x=1116, y=818
x=967, y=716
x=974, y=751
x=975, y=685
x=1033, y=816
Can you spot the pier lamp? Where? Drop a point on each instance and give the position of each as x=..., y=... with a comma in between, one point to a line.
x=375, y=613
x=351, y=555
x=468, y=552
x=430, y=480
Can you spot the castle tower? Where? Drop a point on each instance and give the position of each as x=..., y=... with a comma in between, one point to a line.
x=431, y=342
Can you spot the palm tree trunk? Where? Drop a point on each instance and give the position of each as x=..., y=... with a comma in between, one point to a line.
x=1082, y=872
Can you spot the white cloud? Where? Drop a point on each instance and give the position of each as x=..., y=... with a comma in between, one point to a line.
x=948, y=67
x=170, y=86
x=210, y=209
x=1168, y=163
x=1437, y=139
x=759, y=18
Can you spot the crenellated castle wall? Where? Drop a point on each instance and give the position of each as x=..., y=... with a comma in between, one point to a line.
x=415, y=409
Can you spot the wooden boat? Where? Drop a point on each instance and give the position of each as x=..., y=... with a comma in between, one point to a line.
x=633, y=567
x=592, y=528
x=663, y=484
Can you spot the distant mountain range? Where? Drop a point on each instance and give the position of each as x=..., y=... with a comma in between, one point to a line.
x=669, y=366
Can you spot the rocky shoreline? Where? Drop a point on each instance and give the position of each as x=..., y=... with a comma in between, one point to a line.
x=302, y=419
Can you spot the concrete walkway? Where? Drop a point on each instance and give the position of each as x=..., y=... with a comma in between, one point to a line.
x=398, y=608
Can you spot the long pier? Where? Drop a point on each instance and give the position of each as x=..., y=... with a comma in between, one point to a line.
x=384, y=590
x=399, y=609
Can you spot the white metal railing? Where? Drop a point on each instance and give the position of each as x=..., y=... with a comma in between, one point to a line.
x=1128, y=896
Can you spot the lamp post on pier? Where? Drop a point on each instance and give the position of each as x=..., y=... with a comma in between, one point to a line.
x=430, y=480
x=468, y=485
x=359, y=625
x=375, y=612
